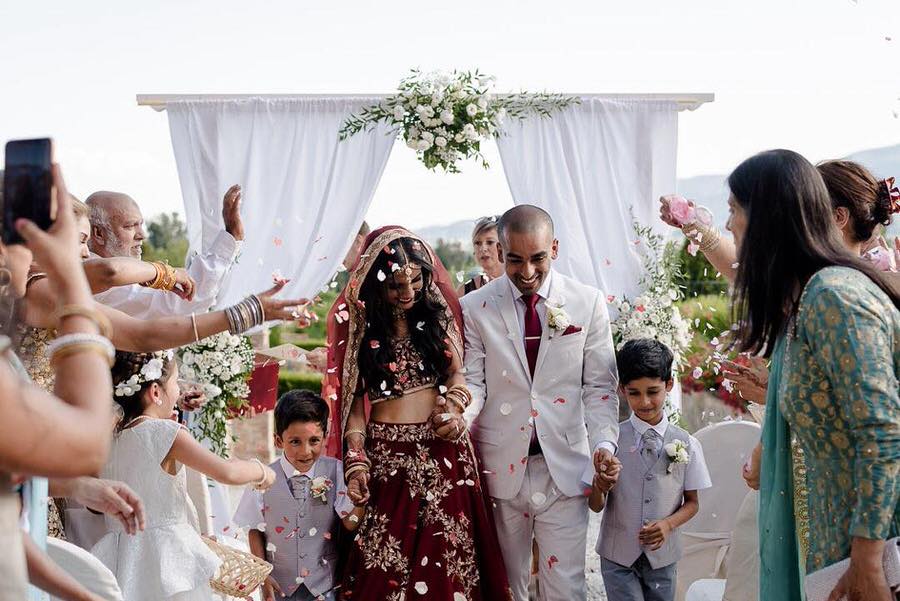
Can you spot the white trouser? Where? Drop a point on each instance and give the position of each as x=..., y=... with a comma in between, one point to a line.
x=557, y=522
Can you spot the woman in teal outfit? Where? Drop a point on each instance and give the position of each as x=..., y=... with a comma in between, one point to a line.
x=831, y=325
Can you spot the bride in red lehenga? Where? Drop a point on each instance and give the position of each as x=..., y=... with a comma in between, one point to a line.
x=397, y=391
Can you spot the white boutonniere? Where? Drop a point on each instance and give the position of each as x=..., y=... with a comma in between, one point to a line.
x=678, y=453
x=319, y=488
x=557, y=318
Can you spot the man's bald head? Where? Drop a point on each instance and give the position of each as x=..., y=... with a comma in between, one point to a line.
x=525, y=219
x=117, y=226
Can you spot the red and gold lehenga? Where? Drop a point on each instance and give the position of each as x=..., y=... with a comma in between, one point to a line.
x=428, y=532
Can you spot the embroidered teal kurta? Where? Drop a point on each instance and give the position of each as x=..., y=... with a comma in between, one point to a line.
x=837, y=388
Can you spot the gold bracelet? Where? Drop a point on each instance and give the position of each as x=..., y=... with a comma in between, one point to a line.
x=154, y=281
x=360, y=432
x=194, y=323
x=453, y=399
x=100, y=320
x=80, y=347
x=168, y=283
x=359, y=467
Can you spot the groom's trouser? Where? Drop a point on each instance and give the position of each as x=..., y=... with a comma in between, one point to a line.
x=557, y=522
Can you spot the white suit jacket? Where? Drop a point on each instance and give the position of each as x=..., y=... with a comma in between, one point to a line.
x=571, y=400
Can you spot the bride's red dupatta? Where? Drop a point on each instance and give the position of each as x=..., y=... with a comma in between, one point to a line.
x=346, y=326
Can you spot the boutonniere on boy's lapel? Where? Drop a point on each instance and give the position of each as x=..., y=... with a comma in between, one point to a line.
x=678, y=453
x=319, y=488
x=558, y=319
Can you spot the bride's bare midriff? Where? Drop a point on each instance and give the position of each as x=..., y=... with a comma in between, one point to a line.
x=410, y=408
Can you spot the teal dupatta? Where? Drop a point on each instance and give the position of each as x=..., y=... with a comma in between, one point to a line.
x=780, y=570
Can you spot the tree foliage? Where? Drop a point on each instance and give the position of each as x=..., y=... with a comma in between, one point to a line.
x=166, y=239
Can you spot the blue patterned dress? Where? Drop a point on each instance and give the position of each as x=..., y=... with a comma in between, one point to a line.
x=837, y=392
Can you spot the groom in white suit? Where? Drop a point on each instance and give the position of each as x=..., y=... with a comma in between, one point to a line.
x=541, y=367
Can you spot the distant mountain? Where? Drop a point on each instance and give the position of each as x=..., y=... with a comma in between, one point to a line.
x=710, y=191
x=460, y=231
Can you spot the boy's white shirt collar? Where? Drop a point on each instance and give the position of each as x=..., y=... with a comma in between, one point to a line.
x=290, y=471
x=640, y=426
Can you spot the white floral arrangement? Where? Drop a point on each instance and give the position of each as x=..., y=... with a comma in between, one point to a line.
x=222, y=365
x=678, y=454
x=150, y=371
x=445, y=116
x=655, y=314
x=319, y=488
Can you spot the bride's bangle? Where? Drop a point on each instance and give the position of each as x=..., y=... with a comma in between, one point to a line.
x=355, y=431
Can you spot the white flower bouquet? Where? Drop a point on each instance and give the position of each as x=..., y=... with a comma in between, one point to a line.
x=445, y=116
x=221, y=365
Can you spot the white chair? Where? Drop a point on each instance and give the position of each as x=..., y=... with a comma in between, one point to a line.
x=85, y=568
x=707, y=537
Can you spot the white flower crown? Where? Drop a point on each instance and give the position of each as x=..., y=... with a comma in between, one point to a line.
x=150, y=371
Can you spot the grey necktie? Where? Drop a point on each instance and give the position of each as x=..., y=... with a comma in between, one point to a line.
x=299, y=486
x=651, y=443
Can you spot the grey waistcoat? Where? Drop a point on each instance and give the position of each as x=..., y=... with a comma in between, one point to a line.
x=641, y=496
x=296, y=551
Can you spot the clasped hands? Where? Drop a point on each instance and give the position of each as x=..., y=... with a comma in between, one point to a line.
x=447, y=420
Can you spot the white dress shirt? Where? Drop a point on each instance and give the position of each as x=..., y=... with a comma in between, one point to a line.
x=249, y=513
x=541, y=308
x=208, y=271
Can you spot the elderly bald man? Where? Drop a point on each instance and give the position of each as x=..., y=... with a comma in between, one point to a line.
x=117, y=230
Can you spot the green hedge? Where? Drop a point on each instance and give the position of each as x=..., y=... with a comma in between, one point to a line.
x=307, y=381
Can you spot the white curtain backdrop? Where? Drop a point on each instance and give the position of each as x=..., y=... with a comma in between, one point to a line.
x=587, y=166
x=305, y=193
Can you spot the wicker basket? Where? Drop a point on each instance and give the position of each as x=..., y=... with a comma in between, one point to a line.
x=240, y=573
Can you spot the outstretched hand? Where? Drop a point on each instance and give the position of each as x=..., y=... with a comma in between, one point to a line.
x=231, y=212
x=285, y=310
x=113, y=498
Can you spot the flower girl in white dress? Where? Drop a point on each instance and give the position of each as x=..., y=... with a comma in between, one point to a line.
x=168, y=560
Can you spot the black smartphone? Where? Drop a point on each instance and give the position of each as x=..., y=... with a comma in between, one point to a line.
x=27, y=186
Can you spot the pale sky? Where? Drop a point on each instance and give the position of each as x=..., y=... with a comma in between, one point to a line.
x=817, y=76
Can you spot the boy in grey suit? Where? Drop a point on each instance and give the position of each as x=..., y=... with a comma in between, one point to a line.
x=661, y=469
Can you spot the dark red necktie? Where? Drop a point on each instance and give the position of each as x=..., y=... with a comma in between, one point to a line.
x=532, y=330
x=532, y=345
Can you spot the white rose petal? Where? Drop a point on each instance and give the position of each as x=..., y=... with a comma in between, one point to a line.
x=459, y=597
x=505, y=409
x=421, y=588
x=312, y=531
x=538, y=498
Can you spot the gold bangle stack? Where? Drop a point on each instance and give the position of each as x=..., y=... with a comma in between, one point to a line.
x=460, y=396
x=707, y=238
x=165, y=277
x=102, y=322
